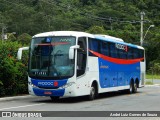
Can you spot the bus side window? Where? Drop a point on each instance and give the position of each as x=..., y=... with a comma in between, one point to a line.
x=93, y=45
x=136, y=53
x=81, y=56
x=104, y=49
x=141, y=54
x=130, y=53
x=113, y=50
x=122, y=54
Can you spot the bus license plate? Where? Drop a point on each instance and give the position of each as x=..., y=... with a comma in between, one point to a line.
x=47, y=93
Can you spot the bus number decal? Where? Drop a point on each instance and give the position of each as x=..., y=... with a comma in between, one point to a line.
x=122, y=47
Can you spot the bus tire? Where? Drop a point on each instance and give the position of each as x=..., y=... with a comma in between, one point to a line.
x=54, y=98
x=135, y=88
x=131, y=88
x=93, y=92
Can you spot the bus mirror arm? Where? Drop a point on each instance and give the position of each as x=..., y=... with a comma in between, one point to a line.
x=71, y=51
x=19, y=53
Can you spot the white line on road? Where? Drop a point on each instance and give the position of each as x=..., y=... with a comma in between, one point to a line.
x=22, y=106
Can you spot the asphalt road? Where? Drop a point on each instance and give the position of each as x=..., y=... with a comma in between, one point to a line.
x=147, y=99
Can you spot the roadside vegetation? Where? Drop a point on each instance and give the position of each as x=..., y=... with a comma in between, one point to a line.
x=13, y=75
x=150, y=76
x=148, y=83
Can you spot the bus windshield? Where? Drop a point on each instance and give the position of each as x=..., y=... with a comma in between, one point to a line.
x=49, y=57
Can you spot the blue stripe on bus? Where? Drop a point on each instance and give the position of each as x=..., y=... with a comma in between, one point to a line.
x=112, y=75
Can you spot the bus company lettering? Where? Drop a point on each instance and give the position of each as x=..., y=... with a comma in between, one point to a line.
x=45, y=83
x=122, y=47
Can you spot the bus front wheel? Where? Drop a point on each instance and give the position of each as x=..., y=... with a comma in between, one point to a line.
x=93, y=92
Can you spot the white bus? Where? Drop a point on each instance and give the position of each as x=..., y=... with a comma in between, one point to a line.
x=70, y=63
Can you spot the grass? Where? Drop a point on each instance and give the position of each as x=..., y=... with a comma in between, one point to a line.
x=148, y=83
x=149, y=76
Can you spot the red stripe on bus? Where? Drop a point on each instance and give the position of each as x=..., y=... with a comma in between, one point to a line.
x=117, y=60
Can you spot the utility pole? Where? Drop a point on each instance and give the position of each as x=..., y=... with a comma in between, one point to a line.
x=141, y=36
x=3, y=33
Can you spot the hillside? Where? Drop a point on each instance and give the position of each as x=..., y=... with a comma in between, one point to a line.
x=119, y=18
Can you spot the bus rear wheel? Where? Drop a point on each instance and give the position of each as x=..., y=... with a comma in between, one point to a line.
x=135, y=88
x=131, y=88
x=54, y=98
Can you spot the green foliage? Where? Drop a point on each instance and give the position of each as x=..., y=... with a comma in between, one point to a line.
x=148, y=83
x=96, y=30
x=13, y=78
x=154, y=67
x=24, y=39
x=152, y=76
x=11, y=37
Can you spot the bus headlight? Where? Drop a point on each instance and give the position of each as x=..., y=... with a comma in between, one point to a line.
x=32, y=84
x=67, y=85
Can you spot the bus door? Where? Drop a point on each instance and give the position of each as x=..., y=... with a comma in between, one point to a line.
x=81, y=56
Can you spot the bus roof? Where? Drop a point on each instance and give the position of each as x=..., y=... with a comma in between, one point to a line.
x=84, y=34
x=115, y=40
x=64, y=33
x=110, y=37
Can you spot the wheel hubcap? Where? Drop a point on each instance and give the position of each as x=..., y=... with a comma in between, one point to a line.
x=92, y=92
x=135, y=87
x=130, y=88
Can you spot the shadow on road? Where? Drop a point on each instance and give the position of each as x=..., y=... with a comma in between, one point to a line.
x=69, y=100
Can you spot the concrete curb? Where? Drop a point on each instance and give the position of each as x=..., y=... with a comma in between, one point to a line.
x=15, y=98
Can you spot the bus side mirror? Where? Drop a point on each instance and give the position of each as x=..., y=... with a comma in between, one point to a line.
x=19, y=53
x=71, y=51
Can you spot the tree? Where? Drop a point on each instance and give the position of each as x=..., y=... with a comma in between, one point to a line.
x=13, y=79
x=96, y=30
x=24, y=39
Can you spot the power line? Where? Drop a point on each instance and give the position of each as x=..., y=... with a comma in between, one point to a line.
x=107, y=19
x=16, y=4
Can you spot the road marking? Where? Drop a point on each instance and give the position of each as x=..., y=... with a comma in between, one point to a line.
x=22, y=106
